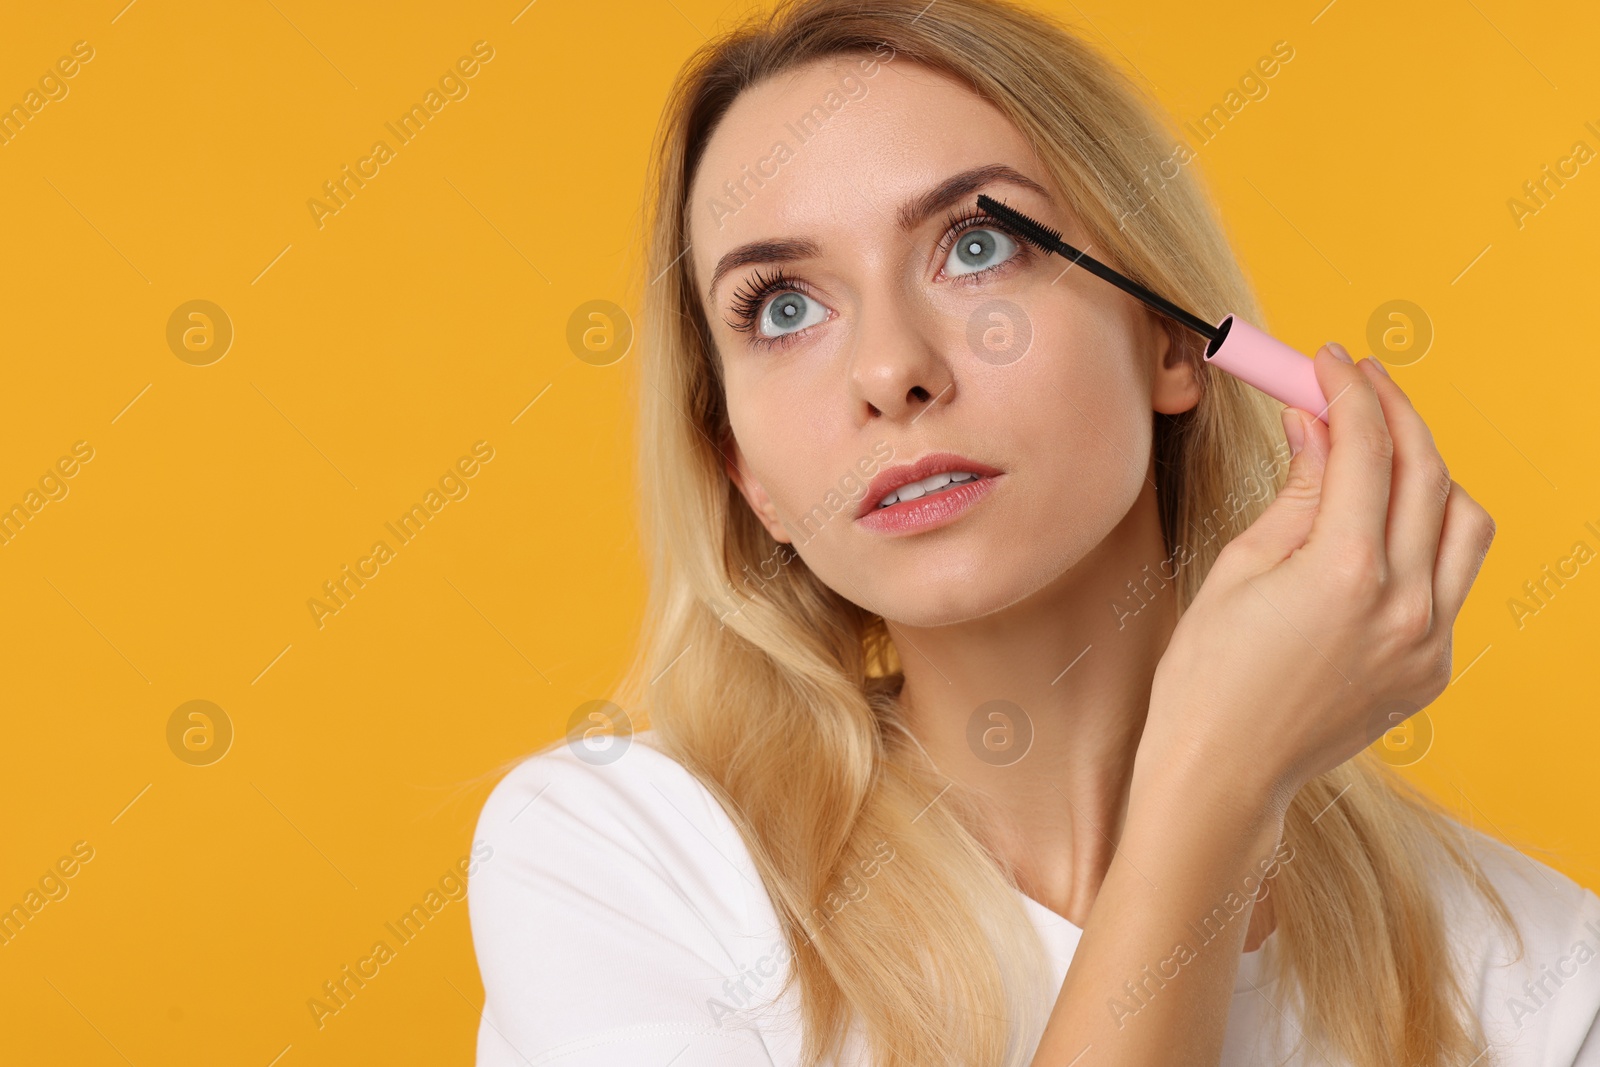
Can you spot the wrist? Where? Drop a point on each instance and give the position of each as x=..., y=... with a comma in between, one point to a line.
x=1188, y=782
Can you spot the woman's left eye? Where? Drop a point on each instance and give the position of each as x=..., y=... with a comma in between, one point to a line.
x=978, y=249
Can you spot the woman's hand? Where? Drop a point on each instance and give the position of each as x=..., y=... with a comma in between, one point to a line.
x=1329, y=620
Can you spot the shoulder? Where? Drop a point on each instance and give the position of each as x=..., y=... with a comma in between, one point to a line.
x=1536, y=1006
x=604, y=809
x=615, y=902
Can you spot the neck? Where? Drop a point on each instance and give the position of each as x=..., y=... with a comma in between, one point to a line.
x=1039, y=708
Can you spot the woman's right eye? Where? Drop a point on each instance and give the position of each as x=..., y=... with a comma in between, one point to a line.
x=789, y=312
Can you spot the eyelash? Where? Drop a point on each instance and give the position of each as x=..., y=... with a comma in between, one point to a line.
x=747, y=301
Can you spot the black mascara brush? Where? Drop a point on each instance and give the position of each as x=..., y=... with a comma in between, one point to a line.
x=1233, y=345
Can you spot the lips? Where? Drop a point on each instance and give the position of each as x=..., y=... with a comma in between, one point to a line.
x=891, y=478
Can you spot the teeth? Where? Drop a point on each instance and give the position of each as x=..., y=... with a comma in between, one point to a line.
x=927, y=485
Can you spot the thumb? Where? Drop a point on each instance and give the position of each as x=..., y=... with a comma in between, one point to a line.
x=1285, y=523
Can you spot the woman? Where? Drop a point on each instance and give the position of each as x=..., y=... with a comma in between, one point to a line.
x=992, y=778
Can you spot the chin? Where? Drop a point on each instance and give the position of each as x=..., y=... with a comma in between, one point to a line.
x=914, y=600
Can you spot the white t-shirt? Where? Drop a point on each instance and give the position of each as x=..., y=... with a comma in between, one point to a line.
x=620, y=921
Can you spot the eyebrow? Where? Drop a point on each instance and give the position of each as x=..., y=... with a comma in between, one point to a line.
x=912, y=214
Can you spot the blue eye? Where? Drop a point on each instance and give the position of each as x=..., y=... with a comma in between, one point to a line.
x=789, y=312
x=979, y=249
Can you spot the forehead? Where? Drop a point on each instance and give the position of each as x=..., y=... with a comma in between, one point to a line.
x=834, y=149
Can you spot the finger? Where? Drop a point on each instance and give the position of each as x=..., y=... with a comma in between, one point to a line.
x=1316, y=438
x=1420, y=482
x=1285, y=522
x=1463, y=542
x=1355, y=486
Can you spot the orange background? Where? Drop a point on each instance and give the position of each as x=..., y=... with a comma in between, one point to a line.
x=370, y=353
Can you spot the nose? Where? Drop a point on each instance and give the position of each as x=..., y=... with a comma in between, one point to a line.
x=898, y=370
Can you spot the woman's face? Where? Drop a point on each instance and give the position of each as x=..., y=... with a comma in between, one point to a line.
x=888, y=339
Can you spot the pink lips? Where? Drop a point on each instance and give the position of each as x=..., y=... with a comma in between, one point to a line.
x=930, y=510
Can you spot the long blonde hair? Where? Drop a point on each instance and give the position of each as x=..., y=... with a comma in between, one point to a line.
x=779, y=694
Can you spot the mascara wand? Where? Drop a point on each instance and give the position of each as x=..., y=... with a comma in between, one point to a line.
x=1248, y=353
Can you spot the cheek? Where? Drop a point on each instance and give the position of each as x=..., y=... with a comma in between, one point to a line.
x=1082, y=412
x=780, y=432
x=788, y=411
x=1081, y=355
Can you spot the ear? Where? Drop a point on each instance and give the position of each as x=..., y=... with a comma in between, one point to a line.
x=739, y=473
x=1174, y=387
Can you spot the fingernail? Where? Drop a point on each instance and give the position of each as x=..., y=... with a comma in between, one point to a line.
x=1377, y=365
x=1295, y=431
x=1338, y=352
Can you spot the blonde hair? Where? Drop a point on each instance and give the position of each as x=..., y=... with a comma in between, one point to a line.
x=779, y=694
